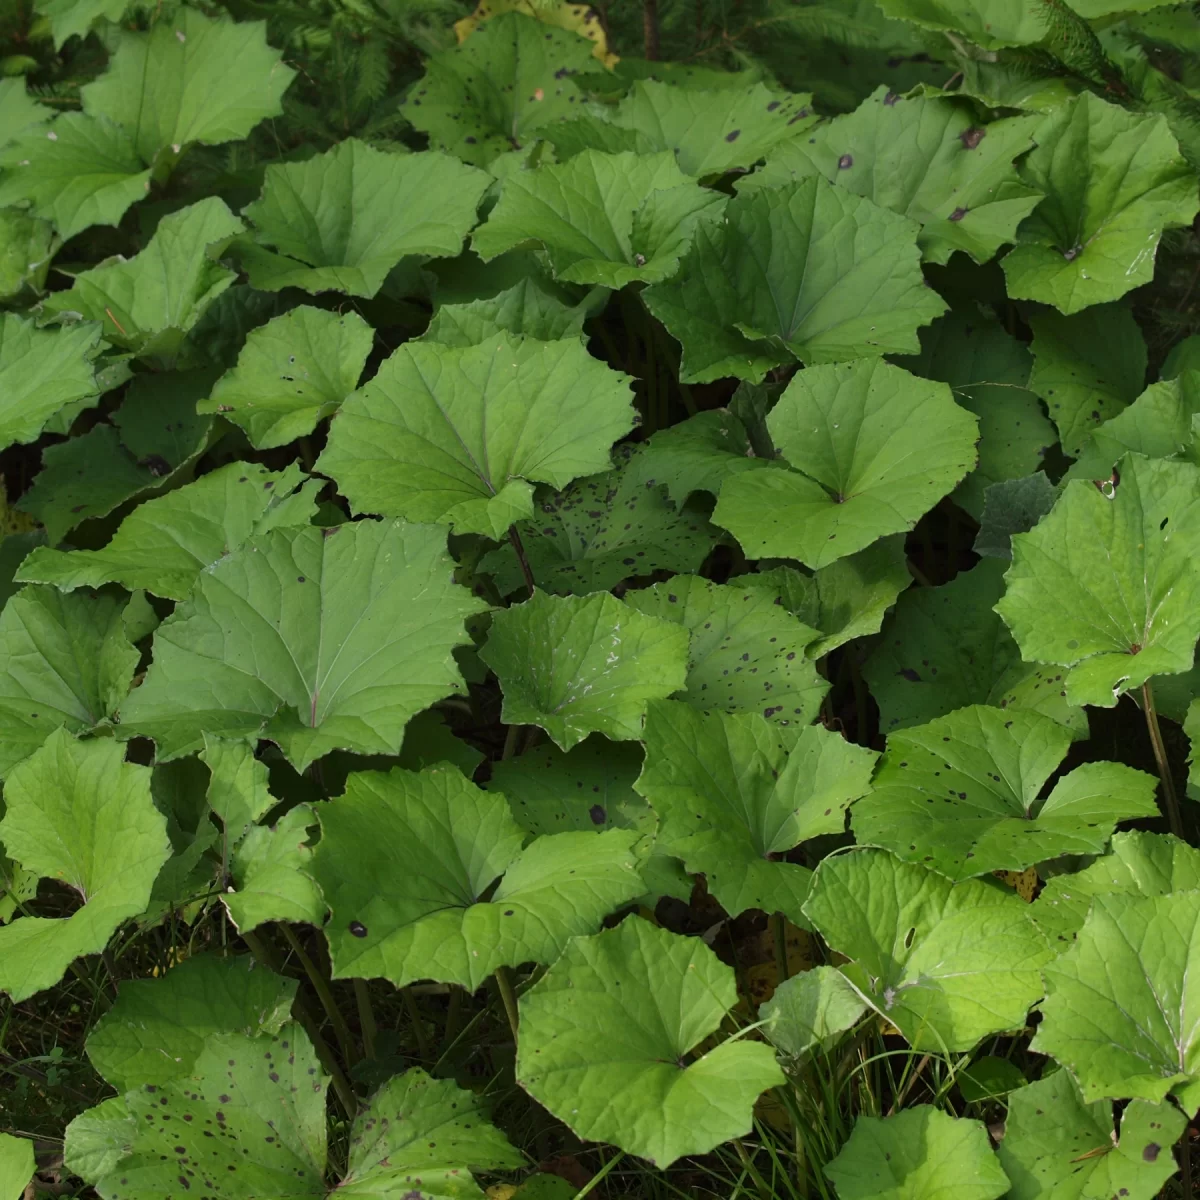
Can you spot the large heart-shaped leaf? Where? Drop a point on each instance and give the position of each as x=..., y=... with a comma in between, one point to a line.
x=1105, y=584
x=873, y=448
x=916, y=1154
x=946, y=963
x=608, y=219
x=67, y=662
x=81, y=171
x=76, y=812
x=1056, y=1147
x=356, y=643
x=157, y=1027
x=1113, y=181
x=331, y=222
x=734, y=796
x=498, y=90
x=945, y=647
x=291, y=374
x=150, y=302
x=405, y=860
x=747, y=653
x=41, y=372
x=166, y=542
x=190, y=79
x=808, y=271
x=963, y=794
x=710, y=131
x=925, y=157
x=461, y=434
x=649, y=997
x=602, y=529
x=1124, y=1021
x=583, y=664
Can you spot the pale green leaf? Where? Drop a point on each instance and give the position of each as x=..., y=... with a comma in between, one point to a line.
x=74, y=18
x=26, y=247
x=405, y=860
x=733, y=795
x=157, y=1027
x=99, y=1138
x=1018, y=23
x=343, y=219
x=459, y=434
x=42, y=371
x=917, y=1154
x=964, y=794
x=946, y=963
x=873, y=449
x=1012, y=506
x=270, y=869
x=608, y=219
x=925, y=157
x=577, y=665
x=746, y=654
x=17, y=1165
x=1113, y=181
x=1056, y=1147
x=190, y=79
x=524, y=308
x=616, y=1017
x=1106, y=586
x=77, y=813
x=348, y=630
x=810, y=1010
x=19, y=112
x=809, y=271
x=291, y=374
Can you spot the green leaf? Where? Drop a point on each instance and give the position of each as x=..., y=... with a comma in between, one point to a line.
x=74, y=18
x=608, y=219
x=987, y=370
x=1106, y=586
x=697, y=455
x=1113, y=181
x=964, y=794
x=461, y=434
x=291, y=374
x=733, y=795
x=1124, y=1022
x=271, y=870
x=577, y=665
x=42, y=371
x=648, y=997
x=989, y=1078
x=148, y=303
x=76, y=812
x=809, y=271
x=946, y=647
x=873, y=448
x=710, y=131
x=423, y=1131
x=925, y=157
x=81, y=171
x=524, y=308
x=332, y=222
x=164, y=544
x=1012, y=506
x=946, y=963
x=1017, y=24
x=237, y=788
x=1056, y=1147
x=99, y=1138
x=810, y=1011
x=746, y=653
x=358, y=641
x=601, y=530
x=156, y=1029
x=405, y=860
x=68, y=662
x=500, y=88
x=1138, y=864
x=1086, y=367
x=915, y=1154
x=846, y=599
x=19, y=112
x=26, y=247
x=190, y=79
x=17, y=1165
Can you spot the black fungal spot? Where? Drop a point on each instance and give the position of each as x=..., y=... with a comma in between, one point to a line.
x=733, y=136
x=958, y=214
x=847, y=160
x=971, y=138
x=1150, y=1154
x=598, y=815
x=155, y=464
x=358, y=929
x=909, y=674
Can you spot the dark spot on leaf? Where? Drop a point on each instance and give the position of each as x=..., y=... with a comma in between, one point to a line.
x=971, y=138
x=358, y=929
x=1150, y=1154
x=847, y=160
x=958, y=214
x=733, y=136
